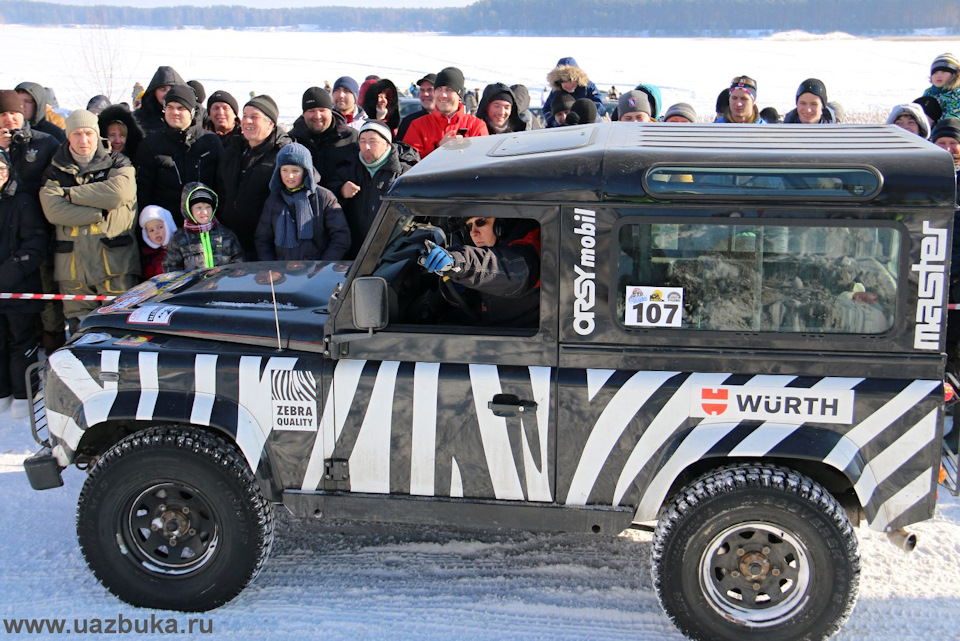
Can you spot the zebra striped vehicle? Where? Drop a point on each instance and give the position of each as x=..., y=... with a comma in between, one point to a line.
x=740, y=343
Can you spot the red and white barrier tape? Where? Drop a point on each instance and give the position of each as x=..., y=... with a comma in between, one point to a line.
x=53, y=297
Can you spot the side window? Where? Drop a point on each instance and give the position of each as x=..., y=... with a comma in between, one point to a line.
x=758, y=277
x=493, y=282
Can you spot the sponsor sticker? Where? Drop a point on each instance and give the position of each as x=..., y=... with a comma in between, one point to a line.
x=651, y=306
x=152, y=315
x=92, y=339
x=125, y=301
x=781, y=404
x=293, y=400
x=133, y=340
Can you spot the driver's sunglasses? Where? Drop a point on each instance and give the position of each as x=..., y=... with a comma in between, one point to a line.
x=480, y=222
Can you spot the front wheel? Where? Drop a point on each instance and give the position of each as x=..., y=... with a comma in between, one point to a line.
x=173, y=518
x=755, y=552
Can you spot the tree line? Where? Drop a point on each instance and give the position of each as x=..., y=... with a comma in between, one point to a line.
x=531, y=17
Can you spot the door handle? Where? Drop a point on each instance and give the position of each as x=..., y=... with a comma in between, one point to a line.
x=508, y=405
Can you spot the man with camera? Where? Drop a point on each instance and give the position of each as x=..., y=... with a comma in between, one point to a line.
x=30, y=151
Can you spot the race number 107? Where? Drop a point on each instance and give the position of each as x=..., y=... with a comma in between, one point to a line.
x=649, y=306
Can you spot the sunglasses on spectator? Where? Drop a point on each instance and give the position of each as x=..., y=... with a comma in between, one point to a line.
x=480, y=222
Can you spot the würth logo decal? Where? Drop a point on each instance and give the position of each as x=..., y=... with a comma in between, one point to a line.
x=781, y=404
x=714, y=401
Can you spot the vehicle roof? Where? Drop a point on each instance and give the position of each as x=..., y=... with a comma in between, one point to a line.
x=606, y=161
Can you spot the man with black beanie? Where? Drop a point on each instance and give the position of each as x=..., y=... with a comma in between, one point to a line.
x=583, y=112
x=324, y=131
x=449, y=121
x=812, y=107
x=179, y=153
x=223, y=117
x=946, y=135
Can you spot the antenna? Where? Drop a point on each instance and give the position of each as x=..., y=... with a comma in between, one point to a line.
x=276, y=317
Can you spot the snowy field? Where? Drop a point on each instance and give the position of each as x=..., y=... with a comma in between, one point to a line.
x=864, y=75
x=349, y=582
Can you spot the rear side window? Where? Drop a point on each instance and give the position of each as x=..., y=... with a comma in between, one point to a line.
x=758, y=277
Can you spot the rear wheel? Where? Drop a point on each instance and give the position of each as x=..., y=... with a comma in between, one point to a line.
x=173, y=518
x=755, y=552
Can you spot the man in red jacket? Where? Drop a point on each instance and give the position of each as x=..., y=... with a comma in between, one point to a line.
x=448, y=121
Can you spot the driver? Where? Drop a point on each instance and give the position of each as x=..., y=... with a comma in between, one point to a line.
x=501, y=265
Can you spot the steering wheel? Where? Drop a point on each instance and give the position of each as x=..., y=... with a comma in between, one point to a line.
x=450, y=294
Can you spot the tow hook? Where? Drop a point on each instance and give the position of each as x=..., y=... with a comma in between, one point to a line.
x=903, y=539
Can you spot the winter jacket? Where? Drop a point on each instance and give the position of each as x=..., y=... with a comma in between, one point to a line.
x=243, y=184
x=507, y=276
x=329, y=149
x=362, y=208
x=185, y=251
x=31, y=158
x=567, y=68
x=94, y=229
x=150, y=114
x=425, y=133
x=23, y=247
x=170, y=158
x=828, y=117
x=949, y=100
x=369, y=105
x=514, y=122
x=331, y=235
x=39, y=121
x=120, y=113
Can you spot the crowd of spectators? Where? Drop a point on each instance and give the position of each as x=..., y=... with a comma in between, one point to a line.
x=94, y=203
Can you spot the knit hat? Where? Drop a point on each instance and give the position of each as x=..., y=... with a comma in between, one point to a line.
x=4, y=157
x=501, y=95
x=913, y=110
x=931, y=107
x=202, y=194
x=452, y=78
x=198, y=90
x=223, y=96
x=430, y=77
x=294, y=154
x=583, y=112
x=316, y=98
x=97, y=104
x=155, y=212
x=10, y=100
x=82, y=118
x=265, y=104
x=681, y=109
x=182, y=94
x=946, y=128
x=561, y=101
x=945, y=62
x=745, y=82
x=634, y=100
x=814, y=86
x=378, y=127
x=348, y=83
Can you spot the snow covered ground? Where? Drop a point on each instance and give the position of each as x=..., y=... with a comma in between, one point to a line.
x=353, y=582
x=328, y=580
x=862, y=74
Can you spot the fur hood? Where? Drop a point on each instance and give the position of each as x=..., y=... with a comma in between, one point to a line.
x=565, y=73
x=369, y=102
x=120, y=113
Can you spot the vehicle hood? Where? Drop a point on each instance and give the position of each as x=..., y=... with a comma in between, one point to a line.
x=231, y=303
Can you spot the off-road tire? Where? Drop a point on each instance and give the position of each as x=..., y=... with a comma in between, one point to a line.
x=173, y=518
x=720, y=539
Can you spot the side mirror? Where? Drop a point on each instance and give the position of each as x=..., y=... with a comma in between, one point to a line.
x=370, y=302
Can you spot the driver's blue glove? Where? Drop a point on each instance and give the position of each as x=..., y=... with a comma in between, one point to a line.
x=438, y=261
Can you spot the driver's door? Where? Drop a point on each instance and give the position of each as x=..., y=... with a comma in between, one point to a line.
x=444, y=410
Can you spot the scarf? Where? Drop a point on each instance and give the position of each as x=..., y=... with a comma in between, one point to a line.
x=204, y=231
x=287, y=233
x=374, y=167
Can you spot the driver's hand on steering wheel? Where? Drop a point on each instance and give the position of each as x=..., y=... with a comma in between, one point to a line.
x=437, y=260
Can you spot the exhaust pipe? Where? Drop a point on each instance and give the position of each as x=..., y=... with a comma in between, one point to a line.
x=906, y=541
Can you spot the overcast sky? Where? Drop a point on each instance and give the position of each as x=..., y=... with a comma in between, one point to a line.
x=270, y=4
